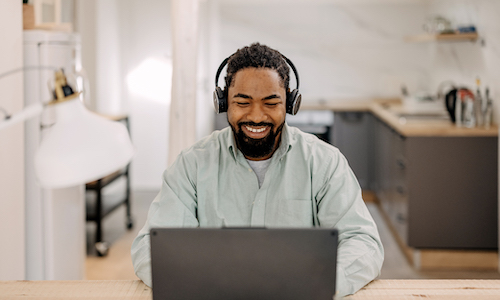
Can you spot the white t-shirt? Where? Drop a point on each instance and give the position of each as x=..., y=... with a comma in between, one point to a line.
x=260, y=168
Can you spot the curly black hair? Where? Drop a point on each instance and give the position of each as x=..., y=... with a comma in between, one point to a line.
x=257, y=56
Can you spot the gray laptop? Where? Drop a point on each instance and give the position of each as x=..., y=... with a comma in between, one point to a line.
x=243, y=263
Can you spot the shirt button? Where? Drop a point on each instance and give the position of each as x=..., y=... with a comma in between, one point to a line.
x=249, y=170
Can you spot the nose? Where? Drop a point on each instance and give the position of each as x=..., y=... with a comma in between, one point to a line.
x=257, y=114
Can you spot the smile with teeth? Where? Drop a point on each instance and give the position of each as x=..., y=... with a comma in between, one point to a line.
x=256, y=130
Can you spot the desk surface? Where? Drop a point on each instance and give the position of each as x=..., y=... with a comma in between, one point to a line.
x=136, y=290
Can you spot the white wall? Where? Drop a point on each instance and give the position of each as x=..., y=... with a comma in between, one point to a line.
x=130, y=72
x=356, y=49
x=463, y=62
x=207, y=65
x=342, y=49
x=108, y=73
x=147, y=55
x=121, y=40
x=85, y=25
x=12, y=247
x=99, y=27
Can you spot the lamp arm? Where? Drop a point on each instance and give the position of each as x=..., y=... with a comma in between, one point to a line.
x=27, y=68
x=6, y=114
x=28, y=112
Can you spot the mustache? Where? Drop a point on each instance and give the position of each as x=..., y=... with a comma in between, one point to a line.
x=254, y=124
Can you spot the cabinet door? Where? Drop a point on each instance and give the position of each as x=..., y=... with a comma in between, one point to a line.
x=438, y=192
x=389, y=178
x=453, y=184
x=401, y=192
x=351, y=134
x=383, y=165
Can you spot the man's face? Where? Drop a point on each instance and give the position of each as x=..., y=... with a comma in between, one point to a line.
x=256, y=111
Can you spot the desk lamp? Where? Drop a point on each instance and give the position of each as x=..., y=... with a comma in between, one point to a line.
x=81, y=146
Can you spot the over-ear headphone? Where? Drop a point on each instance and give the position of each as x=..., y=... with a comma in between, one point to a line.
x=293, y=98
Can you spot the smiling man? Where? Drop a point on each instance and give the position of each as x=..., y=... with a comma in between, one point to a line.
x=261, y=172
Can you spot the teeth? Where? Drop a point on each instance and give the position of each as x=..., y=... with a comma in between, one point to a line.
x=255, y=130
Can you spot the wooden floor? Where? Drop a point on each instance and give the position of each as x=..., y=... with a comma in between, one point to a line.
x=118, y=265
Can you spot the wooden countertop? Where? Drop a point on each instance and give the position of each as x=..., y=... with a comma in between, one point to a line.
x=136, y=290
x=339, y=105
x=386, y=109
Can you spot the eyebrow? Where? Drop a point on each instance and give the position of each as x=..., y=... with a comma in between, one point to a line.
x=239, y=95
x=274, y=96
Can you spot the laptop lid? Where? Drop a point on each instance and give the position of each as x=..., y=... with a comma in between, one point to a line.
x=241, y=263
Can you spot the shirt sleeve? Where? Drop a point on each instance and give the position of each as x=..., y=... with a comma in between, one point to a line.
x=174, y=206
x=340, y=205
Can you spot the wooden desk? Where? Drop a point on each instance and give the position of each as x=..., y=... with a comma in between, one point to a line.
x=136, y=290
x=429, y=289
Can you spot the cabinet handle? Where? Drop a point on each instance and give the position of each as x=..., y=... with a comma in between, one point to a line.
x=400, y=189
x=401, y=164
x=400, y=218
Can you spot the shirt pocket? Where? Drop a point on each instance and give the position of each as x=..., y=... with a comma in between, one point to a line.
x=295, y=213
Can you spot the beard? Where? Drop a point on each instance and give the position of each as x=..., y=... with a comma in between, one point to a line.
x=256, y=148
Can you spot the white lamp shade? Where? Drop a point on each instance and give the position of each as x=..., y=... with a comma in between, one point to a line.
x=81, y=147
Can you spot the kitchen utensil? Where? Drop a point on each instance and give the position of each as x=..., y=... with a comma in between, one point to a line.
x=469, y=118
x=454, y=97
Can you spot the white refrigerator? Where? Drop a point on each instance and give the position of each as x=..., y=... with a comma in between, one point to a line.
x=55, y=218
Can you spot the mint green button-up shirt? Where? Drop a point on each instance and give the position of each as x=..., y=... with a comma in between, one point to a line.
x=308, y=183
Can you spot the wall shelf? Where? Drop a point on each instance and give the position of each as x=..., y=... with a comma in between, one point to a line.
x=459, y=37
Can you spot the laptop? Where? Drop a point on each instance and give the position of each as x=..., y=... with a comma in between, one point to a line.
x=243, y=263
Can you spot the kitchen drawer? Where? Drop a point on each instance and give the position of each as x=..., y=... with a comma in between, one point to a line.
x=401, y=215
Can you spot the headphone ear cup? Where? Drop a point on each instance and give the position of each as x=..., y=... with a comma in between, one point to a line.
x=220, y=102
x=293, y=100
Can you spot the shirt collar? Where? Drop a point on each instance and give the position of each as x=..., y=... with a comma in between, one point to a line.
x=284, y=147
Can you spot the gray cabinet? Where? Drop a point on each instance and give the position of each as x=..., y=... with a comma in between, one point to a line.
x=352, y=135
x=389, y=180
x=439, y=192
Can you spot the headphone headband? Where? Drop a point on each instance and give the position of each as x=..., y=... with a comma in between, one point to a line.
x=222, y=65
x=225, y=61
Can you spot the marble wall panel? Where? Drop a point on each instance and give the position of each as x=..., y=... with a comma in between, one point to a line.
x=341, y=50
x=464, y=62
x=356, y=50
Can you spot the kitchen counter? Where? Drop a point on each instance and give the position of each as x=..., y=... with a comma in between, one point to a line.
x=136, y=289
x=424, y=172
x=344, y=105
x=387, y=109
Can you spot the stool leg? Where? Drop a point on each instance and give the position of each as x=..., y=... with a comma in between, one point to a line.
x=101, y=247
x=98, y=212
x=130, y=222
